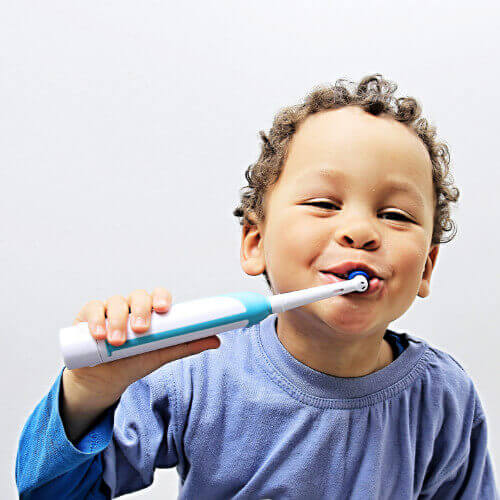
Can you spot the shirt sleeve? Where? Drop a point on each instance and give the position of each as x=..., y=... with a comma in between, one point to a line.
x=472, y=475
x=117, y=455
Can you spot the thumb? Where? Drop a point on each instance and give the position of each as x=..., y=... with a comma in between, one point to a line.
x=155, y=359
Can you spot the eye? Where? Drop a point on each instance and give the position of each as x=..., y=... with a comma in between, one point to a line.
x=318, y=203
x=398, y=214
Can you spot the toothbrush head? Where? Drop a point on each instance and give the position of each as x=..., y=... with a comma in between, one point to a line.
x=363, y=287
x=355, y=273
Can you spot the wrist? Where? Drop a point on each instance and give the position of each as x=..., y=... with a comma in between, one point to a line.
x=82, y=395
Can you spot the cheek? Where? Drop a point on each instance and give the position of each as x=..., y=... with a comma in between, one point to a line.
x=294, y=244
x=301, y=237
x=409, y=256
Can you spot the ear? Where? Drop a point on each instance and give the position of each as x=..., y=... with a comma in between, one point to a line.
x=252, y=251
x=425, y=285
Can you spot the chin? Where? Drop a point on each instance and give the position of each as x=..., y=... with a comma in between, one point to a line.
x=355, y=319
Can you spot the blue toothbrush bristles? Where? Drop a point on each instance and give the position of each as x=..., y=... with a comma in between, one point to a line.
x=355, y=273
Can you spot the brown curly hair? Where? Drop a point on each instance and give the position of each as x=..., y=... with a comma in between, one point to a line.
x=375, y=96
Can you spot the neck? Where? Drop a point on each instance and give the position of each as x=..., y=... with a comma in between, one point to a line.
x=336, y=355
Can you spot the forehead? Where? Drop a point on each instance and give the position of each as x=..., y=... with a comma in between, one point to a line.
x=351, y=141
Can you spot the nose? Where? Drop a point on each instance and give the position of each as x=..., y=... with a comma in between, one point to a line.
x=358, y=234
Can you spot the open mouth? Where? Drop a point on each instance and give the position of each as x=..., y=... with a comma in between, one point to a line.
x=344, y=276
x=375, y=284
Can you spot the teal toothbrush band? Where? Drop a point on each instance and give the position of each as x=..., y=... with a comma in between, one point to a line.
x=257, y=307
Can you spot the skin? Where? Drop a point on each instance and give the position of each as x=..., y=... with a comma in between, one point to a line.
x=355, y=220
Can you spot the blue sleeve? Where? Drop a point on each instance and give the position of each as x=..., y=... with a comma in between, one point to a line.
x=48, y=465
x=471, y=476
x=117, y=455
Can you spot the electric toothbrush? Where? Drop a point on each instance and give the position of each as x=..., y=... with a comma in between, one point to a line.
x=194, y=320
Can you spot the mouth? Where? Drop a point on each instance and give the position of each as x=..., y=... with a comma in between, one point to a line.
x=375, y=284
x=343, y=270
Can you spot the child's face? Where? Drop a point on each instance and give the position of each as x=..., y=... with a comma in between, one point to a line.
x=356, y=221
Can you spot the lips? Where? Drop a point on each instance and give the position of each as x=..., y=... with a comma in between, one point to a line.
x=346, y=267
x=375, y=284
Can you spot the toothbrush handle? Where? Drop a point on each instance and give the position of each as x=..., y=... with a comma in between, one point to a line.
x=183, y=322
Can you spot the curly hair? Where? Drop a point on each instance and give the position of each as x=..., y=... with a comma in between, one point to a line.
x=374, y=95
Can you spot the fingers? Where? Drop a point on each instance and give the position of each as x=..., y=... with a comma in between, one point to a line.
x=139, y=304
x=162, y=299
x=93, y=312
x=117, y=311
x=140, y=307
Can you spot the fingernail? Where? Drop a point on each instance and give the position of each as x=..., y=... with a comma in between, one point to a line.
x=139, y=321
x=99, y=330
x=160, y=303
x=116, y=335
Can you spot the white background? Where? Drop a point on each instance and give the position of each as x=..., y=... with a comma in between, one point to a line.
x=125, y=131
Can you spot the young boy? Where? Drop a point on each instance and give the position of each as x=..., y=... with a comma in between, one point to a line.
x=319, y=402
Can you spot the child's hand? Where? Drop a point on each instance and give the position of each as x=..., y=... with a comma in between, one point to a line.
x=109, y=380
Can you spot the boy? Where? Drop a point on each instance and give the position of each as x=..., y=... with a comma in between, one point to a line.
x=323, y=401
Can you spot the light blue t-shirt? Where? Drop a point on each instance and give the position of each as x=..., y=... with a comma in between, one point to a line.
x=250, y=421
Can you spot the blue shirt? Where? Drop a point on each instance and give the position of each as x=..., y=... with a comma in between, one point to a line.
x=250, y=421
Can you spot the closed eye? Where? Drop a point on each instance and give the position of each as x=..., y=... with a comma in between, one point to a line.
x=315, y=203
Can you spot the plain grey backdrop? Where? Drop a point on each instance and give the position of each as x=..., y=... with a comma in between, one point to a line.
x=125, y=131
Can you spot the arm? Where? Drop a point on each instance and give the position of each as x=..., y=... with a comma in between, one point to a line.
x=117, y=455
x=79, y=408
x=47, y=463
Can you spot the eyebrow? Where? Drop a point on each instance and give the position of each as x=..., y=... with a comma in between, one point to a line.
x=394, y=184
